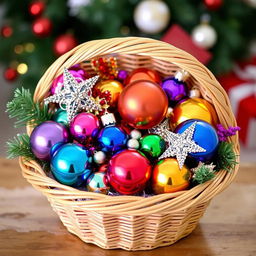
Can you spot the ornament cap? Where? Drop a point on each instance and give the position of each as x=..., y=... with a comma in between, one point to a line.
x=181, y=75
x=108, y=119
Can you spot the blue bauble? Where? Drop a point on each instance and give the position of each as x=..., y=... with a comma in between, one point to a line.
x=112, y=139
x=70, y=164
x=61, y=116
x=205, y=136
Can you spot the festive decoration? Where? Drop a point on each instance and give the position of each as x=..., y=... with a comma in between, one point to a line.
x=10, y=74
x=96, y=183
x=152, y=145
x=6, y=31
x=112, y=139
x=70, y=164
x=195, y=108
x=42, y=27
x=108, y=119
x=138, y=106
x=36, y=8
x=44, y=136
x=143, y=74
x=61, y=116
x=203, y=135
x=55, y=148
x=75, y=95
x=99, y=157
x=167, y=177
x=152, y=16
x=122, y=75
x=203, y=172
x=113, y=87
x=194, y=93
x=133, y=143
x=213, y=5
x=128, y=172
x=161, y=129
x=64, y=43
x=84, y=126
x=175, y=87
x=223, y=133
x=135, y=134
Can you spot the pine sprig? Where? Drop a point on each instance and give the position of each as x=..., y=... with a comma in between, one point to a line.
x=25, y=110
x=226, y=157
x=203, y=173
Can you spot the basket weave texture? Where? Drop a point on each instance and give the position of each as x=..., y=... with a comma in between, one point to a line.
x=133, y=222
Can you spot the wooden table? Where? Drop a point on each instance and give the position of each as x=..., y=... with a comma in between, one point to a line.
x=28, y=226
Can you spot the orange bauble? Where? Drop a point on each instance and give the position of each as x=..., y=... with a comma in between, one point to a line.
x=143, y=74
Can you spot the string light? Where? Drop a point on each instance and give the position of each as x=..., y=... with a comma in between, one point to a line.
x=22, y=68
x=29, y=47
x=18, y=49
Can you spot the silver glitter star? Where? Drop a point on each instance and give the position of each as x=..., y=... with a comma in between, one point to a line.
x=161, y=129
x=75, y=96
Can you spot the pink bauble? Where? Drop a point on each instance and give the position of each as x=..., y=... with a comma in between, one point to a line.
x=76, y=72
x=84, y=126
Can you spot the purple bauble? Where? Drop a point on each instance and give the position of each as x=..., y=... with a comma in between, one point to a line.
x=122, y=74
x=76, y=72
x=174, y=89
x=84, y=126
x=45, y=136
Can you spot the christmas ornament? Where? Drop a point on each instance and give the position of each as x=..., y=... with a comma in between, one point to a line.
x=112, y=139
x=135, y=134
x=42, y=27
x=167, y=177
x=63, y=44
x=75, y=96
x=108, y=119
x=10, y=74
x=113, y=87
x=169, y=112
x=224, y=133
x=55, y=148
x=175, y=87
x=103, y=168
x=61, y=116
x=70, y=164
x=128, y=172
x=96, y=183
x=213, y=5
x=143, y=74
x=133, y=143
x=194, y=93
x=138, y=106
x=76, y=5
x=152, y=145
x=36, y=8
x=44, y=136
x=22, y=68
x=204, y=137
x=203, y=172
x=76, y=72
x=122, y=75
x=99, y=157
x=84, y=126
x=152, y=16
x=194, y=108
x=6, y=31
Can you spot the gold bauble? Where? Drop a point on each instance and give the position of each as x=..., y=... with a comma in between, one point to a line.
x=168, y=177
x=113, y=86
x=195, y=108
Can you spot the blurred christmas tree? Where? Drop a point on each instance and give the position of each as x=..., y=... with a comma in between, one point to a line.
x=34, y=33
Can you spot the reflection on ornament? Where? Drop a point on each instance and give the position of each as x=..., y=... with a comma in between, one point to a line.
x=96, y=183
x=22, y=68
x=99, y=157
x=167, y=177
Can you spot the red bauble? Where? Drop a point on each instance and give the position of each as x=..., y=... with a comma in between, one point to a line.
x=36, y=8
x=128, y=172
x=213, y=4
x=42, y=27
x=63, y=44
x=10, y=74
x=6, y=31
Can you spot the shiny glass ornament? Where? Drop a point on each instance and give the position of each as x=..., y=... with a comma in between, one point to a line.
x=133, y=143
x=167, y=177
x=99, y=157
x=61, y=116
x=204, y=135
x=96, y=183
x=143, y=104
x=46, y=135
x=70, y=164
x=152, y=145
x=128, y=171
x=84, y=126
x=112, y=139
x=195, y=108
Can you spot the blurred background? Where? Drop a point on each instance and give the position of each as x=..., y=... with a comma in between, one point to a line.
x=219, y=33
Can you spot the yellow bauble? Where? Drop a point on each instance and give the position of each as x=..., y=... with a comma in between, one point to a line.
x=195, y=108
x=113, y=86
x=168, y=178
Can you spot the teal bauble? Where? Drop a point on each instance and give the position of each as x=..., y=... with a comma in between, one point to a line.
x=97, y=183
x=61, y=116
x=70, y=164
x=152, y=145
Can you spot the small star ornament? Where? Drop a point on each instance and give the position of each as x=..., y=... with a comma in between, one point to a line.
x=180, y=145
x=76, y=96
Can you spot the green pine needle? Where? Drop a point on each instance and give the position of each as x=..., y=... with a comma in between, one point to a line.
x=25, y=110
x=202, y=174
x=20, y=146
x=226, y=157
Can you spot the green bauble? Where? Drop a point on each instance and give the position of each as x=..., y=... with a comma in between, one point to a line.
x=60, y=116
x=152, y=145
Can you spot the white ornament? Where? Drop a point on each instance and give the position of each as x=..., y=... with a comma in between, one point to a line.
x=133, y=143
x=76, y=5
x=194, y=93
x=152, y=16
x=108, y=119
x=204, y=36
x=135, y=134
x=99, y=157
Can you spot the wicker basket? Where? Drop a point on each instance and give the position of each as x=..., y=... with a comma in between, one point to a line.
x=132, y=222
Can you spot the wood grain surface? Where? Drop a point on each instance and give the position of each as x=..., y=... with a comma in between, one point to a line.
x=28, y=226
